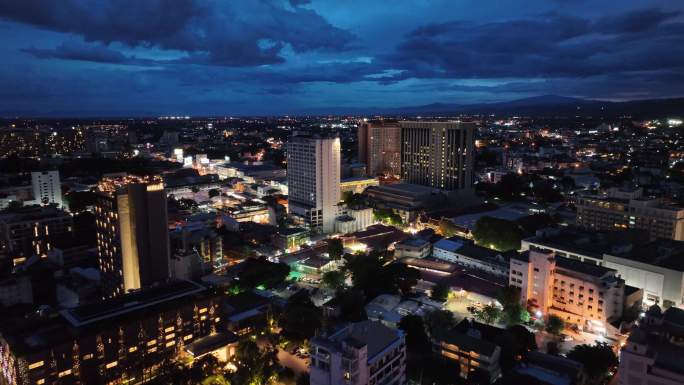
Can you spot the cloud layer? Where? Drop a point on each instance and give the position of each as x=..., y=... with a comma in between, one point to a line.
x=276, y=55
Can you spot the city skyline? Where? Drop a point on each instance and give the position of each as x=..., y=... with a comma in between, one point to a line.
x=280, y=57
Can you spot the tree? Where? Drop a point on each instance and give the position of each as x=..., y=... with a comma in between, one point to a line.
x=495, y=233
x=303, y=379
x=80, y=200
x=597, y=359
x=301, y=318
x=515, y=314
x=335, y=248
x=351, y=303
x=387, y=216
x=554, y=325
x=417, y=340
x=488, y=314
x=254, y=366
x=334, y=279
x=439, y=321
x=447, y=228
x=531, y=223
x=259, y=271
x=402, y=276
x=214, y=192
x=440, y=292
x=216, y=379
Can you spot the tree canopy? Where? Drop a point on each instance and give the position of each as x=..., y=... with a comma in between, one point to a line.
x=554, y=325
x=335, y=248
x=259, y=271
x=499, y=234
x=597, y=359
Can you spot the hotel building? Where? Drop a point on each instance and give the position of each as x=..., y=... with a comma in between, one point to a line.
x=313, y=177
x=132, y=233
x=379, y=144
x=438, y=154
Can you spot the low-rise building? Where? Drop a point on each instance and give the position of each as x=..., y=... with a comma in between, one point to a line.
x=291, y=239
x=653, y=352
x=581, y=293
x=412, y=248
x=466, y=253
x=29, y=230
x=363, y=353
x=357, y=185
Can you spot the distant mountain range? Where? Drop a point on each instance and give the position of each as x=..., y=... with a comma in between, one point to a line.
x=545, y=105
x=539, y=106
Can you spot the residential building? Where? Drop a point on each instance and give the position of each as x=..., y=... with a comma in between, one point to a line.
x=551, y=369
x=615, y=211
x=46, y=188
x=654, y=351
x=313, y=176
x=362, y=353
x=471, y=345
x=466, y=253
x=30, y=230
x=581, y=293
x=200, y=237
x=354, y=219
x=124, y=339
x=379, y=144
x=438, y=154
x=290, y=239
x=132, y=233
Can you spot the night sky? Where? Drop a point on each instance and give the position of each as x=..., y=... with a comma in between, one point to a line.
x=192, y=57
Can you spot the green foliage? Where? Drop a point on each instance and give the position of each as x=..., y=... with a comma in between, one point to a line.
x=214, y=192
x=254, y=365
x=498, y=234
x=373, y=278
x=334, y=279
x=554, y=325
x=513, y=311
x=387, y=216
x=301, y=318
x=439, y=321
x=440, y=292
x=335, y=248
x=531, y=223
x=216, y=379
x=597, y=359
x=417, y=340
x=351, y=303
x=352, y=200
x=259, y=271
x=488, y=314
x=447, y=228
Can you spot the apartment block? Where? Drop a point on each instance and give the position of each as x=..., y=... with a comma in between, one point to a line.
x=363, y=353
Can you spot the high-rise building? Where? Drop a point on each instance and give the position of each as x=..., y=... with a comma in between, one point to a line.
x=379, y=144
x=132, y=233
x=361, y=353
x=313, y=176
x=438, y=154
x=46, y=187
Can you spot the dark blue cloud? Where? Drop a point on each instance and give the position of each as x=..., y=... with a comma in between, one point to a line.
x=276, y=56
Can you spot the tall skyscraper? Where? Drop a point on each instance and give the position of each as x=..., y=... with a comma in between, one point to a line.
x=132, y=233
x=438, y=154
x=313, y=177
x=46, y=187
x=379, y=144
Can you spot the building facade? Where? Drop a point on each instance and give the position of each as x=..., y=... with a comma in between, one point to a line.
x=652, y=354
x=46, y=187
x=113, y=341
x=132, y=233
x=380, y=147
x=611, y=213
x=30, y=231
x=583, y=294
x=363, y=353
x=438, y=154
x=313, y=176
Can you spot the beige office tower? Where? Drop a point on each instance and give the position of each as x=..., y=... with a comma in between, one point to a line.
x=438, y=154
x=132, y=233
x=379, y=144
x=313, y=177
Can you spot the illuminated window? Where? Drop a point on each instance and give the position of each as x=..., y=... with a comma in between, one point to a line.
x=111, y=364
x=151, y=342
x=40, y=381
x=132, y=349
x=170, y=336
x=36, y=364
x=170, y=343
x=88, y=356
x=64, y=373
x=189, y=336
x=203, y=310
x=169, y=329
x=152, y=350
